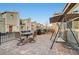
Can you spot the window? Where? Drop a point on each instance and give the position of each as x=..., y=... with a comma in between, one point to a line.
x=76, y=24
x=22, y=27
x=69, y=24
x=10, y=17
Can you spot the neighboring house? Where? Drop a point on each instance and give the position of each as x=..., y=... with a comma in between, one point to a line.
x=29, y=23
x=9, y=25
x=11, y=21
x=40, y=26
x=34, y=25
x=25, y=24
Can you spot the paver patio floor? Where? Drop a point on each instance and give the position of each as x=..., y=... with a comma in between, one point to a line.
x=40, y=47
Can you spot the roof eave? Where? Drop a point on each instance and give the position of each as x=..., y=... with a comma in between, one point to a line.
x=68, y=7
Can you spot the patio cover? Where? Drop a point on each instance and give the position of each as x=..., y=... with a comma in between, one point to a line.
x=66, y=17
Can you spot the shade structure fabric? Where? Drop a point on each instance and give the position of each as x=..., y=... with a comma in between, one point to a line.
x=66, y=17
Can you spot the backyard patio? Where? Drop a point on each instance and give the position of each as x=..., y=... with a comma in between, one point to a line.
x=40, y=47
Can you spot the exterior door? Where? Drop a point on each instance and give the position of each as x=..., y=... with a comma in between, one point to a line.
x=10, y=28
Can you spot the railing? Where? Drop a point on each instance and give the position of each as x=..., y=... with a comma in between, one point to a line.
x=4, y=37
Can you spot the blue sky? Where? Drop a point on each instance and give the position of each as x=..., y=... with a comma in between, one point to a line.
x=39, y=12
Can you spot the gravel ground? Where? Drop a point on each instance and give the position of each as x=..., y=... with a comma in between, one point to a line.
x=40, y=47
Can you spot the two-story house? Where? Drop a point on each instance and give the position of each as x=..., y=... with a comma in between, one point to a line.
x=11, y=20
x=9, y=25
x=25, y=24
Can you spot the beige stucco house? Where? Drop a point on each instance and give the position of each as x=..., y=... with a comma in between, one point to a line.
x=34, y=25
x=25, y=24
x=9, y=26
x=9, y=22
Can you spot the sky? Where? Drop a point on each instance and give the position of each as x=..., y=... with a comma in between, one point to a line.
x=39, y=12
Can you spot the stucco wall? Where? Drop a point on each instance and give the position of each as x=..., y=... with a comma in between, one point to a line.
x=2, y=26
